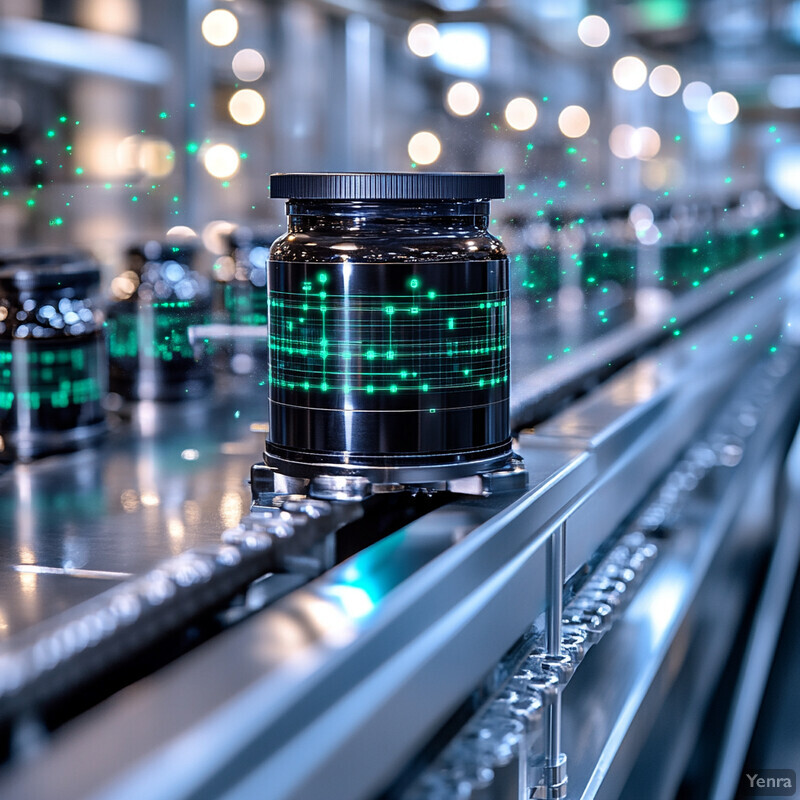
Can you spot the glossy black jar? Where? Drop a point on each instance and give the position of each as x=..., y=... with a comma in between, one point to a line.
x=388, y=319
x=53, y=363
x=157, y=299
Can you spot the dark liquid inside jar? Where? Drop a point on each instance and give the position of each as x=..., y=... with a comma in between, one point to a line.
x=388, y=340
x=151, y=354
x=53, y=369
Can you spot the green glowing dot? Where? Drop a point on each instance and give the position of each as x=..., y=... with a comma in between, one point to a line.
x=431, y=295
x=676, y=333
x=322, y=277
x=68, y=148
x=754, y=232
x=323, y=387
x=31, y=202
x=545, y=99
x=571, y=150
x=192, y=105
x=748, y=337
x=772, y=128
x=38, y=162
x=163, y=115
x=78, y=122
x=414, y=283
x=62, y=119
x=6, y=193
x=521, y=187
x=389, y=310
x=175, y=199
x=242, y=155
x=225, y=184
x=134, y=199
x=530, y=146
x=6, y=168
x=677, y=137
x=773, y=349
x=734, y=338
x=79, y=170
x=567, y=349
x=56, y=221
x=728, y=179
x=192, y=147
x=370, y=388
x=50, y=134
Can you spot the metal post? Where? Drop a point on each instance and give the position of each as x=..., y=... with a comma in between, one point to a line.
x=554, y=778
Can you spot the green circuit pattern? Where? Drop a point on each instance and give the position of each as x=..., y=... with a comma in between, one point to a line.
x=418, y=342
x=55, y=377
x=163, y=335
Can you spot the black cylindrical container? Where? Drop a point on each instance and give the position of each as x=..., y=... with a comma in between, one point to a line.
x=158, y=298
x=53, y=372
x=388, y=317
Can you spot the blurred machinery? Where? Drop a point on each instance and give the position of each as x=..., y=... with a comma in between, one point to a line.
x=183, y=615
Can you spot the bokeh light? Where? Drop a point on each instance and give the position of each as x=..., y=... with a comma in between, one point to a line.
x=247, y=107
x=220, y=27
x=424, y=147
x=645, y=142
x=629, y=73
x=723, y=108
x=463, y=98
x=574, y=121
x=423, y=39
x=248, y=65
x=696, y=96
x=621, y=141
x=216, y=235
x=221, y=161
x=521, y=113
x=665, y=80
x=593, y=31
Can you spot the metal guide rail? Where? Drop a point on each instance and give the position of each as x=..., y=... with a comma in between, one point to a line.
x=340, y=685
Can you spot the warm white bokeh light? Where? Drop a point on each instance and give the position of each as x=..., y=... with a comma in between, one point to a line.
x=593, y=31
x=215, y=235
x=521, y=113
x=247, y=107
x=156, y=157
x=221, y=161
x=423, y=39
x=248, y=65
x=626, y=141
x=220, y=27
x=574, y=121
x=629, y=73
x=723, y=108
x=621, y=141
x=696, y=96
x=645, y=143
x=463, y=98
x=665, y=80
x=424, y=147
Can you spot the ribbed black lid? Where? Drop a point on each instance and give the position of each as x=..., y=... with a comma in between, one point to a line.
x=387, y=185
x=26, y=271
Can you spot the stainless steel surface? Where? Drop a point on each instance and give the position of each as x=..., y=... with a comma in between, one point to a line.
x=763, y=640
x=172, y=480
